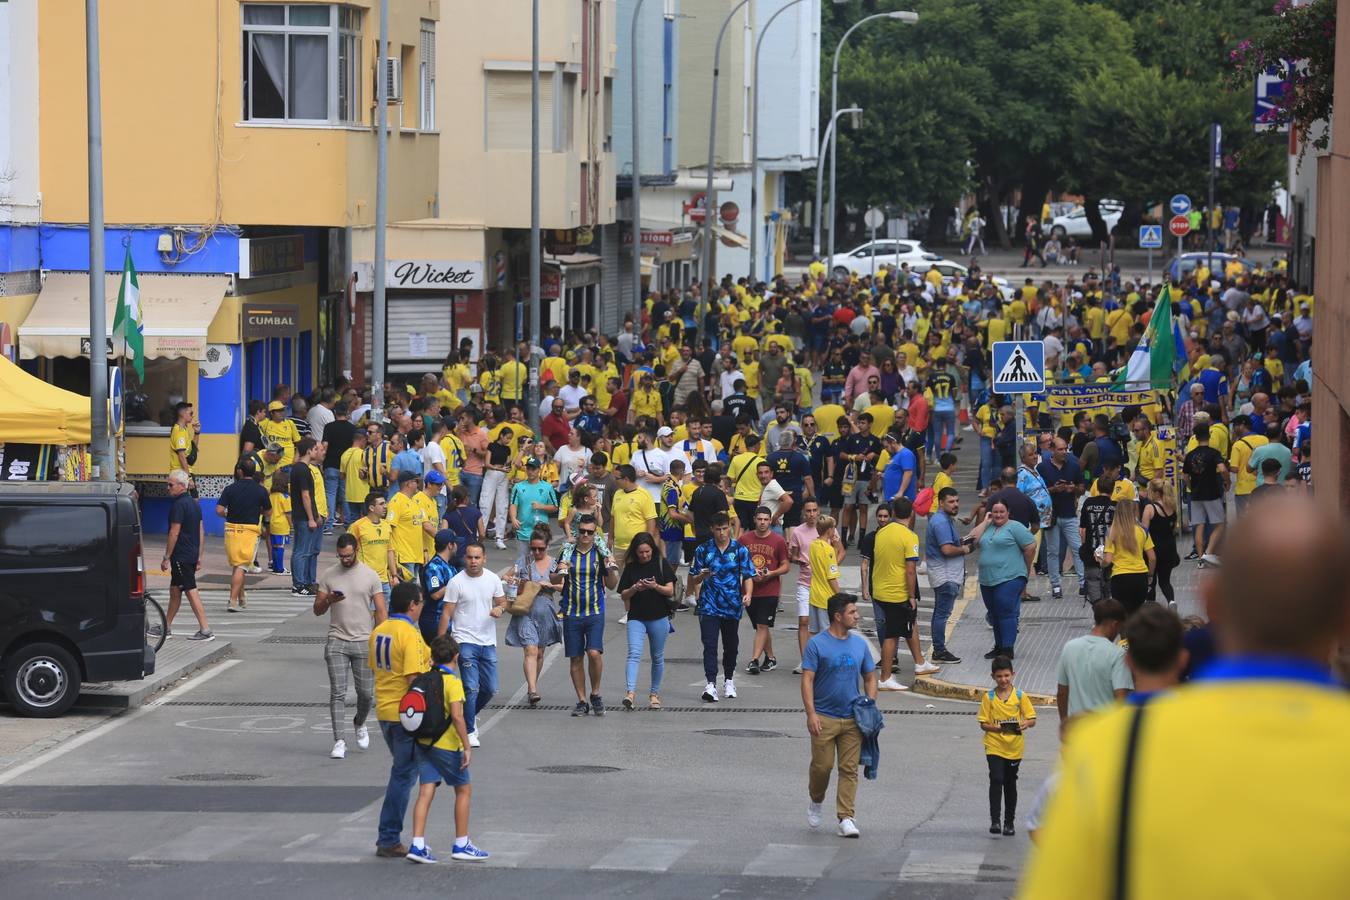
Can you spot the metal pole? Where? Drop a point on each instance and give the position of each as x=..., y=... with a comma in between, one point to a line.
x=536, y=300
x=100, y=440
x=1150, y=265
x=874, y=258
x=899, y=16
x=754, y=144
x=377, y=335
x=706, y=274
x=820, y=173
x=637, y=168
x=1209, y=213
x=1020, y=414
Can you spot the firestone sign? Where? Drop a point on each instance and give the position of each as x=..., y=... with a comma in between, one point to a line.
x=424, y=275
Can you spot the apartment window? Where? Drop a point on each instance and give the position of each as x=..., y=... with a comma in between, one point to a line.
x=507, y=110
x=427, y=75
x=609, y=116
x=301, y=63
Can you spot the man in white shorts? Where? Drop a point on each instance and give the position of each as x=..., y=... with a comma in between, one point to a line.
x=799, y=550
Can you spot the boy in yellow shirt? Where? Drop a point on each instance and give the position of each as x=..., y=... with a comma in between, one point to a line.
x=279, y=522
x=1005, y=715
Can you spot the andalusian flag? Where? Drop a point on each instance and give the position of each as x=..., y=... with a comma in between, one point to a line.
x=127, y=322
x=1150, y=365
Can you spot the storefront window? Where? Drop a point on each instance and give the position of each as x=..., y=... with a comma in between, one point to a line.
x=150, y=403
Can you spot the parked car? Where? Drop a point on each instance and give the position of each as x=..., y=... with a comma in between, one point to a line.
x=72, y=592
x=1186, y=263
x=889, y=252
x=1075, y=224
x=948, y=268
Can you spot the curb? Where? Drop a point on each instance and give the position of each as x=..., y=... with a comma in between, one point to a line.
x=131, y=694
x=926, y=684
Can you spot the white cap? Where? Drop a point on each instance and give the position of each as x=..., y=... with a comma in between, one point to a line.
x=664, y=431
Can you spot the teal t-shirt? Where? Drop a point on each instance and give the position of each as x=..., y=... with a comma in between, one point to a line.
x=523, y=495
x=1001, y=556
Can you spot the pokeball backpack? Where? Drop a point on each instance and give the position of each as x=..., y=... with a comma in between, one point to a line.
x=422, y=709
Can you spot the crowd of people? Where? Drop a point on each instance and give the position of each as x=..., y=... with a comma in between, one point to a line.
x=690, y=462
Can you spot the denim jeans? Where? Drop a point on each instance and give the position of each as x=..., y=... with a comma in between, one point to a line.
x=305, y=558
x=402, y=776
x=710, y=628
x=332, y=488
x=944, y=427
x=1004, y=603
x=473, y=484
x=988, y=461
x=675, y=553
x=944, y=600
x=656, y=632
x=355, y=511
x=478, y=670
x=1068, y=527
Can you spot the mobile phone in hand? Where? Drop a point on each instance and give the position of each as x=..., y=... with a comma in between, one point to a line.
x=1010, y=728
x=336, y=595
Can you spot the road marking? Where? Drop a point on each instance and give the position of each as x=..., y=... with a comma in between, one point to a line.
x=554, y=652
x=344, y=845
x=791, y=861
x=301, y=841
x=510, y=848
x=941, y=866
x=200, y=843
x=89, y=736
x=645, y=855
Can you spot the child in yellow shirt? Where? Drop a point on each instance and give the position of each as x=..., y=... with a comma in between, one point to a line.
x=279, y=524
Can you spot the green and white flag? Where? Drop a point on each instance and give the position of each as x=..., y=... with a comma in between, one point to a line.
x=1150, y=365
x=127, y=324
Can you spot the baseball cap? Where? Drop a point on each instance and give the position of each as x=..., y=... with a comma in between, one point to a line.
x=275, y=405
x=444, y=538
x=475, y=389
x=532, y=462
x=405, y=476
x=435, y=477
x=664, y=431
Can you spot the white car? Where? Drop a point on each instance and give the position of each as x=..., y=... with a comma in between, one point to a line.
x=1075, y=224
x=948, y=269
x=889, y=252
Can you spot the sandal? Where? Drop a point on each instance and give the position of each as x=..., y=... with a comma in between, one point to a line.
x=628, y=701
x=533, y=700
x=654, y=701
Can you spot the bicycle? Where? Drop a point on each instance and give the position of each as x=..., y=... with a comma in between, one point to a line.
x=156, y=626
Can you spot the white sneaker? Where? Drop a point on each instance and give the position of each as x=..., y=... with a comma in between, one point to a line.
x=729, y=689
x=363, y=737
x=710, y=693
x=890, y=684
x=927, y=668
x=848, y=828
x=473, y=739
x=923, y=568
x=623, y=619
x=813, y=814
x=1211, y=559
x=339, y=750
x=797, y=671
x=501, y=544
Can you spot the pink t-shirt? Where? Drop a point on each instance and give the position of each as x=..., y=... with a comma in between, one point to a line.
x=475, y=450
x=799, y=549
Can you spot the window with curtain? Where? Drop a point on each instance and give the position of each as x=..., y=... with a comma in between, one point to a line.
x=427, y=75
x=301, y=63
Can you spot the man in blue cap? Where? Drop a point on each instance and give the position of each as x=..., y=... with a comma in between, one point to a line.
x=436, y=576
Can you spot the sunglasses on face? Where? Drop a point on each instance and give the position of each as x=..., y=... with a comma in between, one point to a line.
x=538, y=549
x=585, y=531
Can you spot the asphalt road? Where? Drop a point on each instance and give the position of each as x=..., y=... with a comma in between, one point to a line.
x=224, y=785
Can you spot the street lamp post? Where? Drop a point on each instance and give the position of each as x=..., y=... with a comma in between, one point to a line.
x=100, y=441
x=905, y=16
x=820, y=172
x=536, y=249
x=706, y=275
x=637, y=168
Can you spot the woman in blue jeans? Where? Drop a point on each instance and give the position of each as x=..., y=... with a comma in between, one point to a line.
x=1007, y=553
x=646, y=586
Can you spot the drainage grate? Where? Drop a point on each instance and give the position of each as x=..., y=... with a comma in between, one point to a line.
x=722, y=708
x=248, y=704
x=684, y=660
x=219, y=776
x=24, y=814
x=742, y=733
x=283, y=639
x=576, y=770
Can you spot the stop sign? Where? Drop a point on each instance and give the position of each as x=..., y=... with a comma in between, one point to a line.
x=1180, y=226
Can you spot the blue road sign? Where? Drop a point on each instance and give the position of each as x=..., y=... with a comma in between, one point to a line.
x=1180, y=205
x=1150, y=237
x=1019, y=367
x=115, y=396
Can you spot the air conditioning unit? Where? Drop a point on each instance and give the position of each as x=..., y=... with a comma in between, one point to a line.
x=393, y=79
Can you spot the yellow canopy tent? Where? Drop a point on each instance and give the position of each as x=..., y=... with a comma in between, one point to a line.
x=35, y=412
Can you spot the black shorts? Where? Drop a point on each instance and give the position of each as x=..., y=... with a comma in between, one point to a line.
x=793, y=517
x=690, y=545
x=898, y=620
x=182, y=575
x=745, y=511
x=763, y=610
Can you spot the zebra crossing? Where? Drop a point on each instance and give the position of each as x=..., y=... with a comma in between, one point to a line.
x=268, y=608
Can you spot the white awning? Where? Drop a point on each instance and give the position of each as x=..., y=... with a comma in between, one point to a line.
x=176, y=311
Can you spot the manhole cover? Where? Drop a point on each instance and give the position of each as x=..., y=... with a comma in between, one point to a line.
x=742, y=733
x=576, y=770
x=218, y=776
x=284, y=639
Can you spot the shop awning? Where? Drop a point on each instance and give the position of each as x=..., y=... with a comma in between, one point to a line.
x=35, y=412
x=176, y=311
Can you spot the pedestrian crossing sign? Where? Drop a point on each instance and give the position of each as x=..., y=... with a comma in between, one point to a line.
x=1150, y=237
x=1019, y=367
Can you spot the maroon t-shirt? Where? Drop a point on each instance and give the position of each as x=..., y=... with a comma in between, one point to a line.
x=766, y=554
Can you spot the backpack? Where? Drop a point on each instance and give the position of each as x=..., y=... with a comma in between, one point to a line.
x=923, y=502
x=422, y=709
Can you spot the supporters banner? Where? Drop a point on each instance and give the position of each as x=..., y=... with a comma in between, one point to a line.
x=1092, y=397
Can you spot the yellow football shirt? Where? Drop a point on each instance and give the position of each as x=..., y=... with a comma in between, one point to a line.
x=406, y=517
x=180, y=438
x=995, y=710
x=280, y=521
x=631, y=510
x=372, y=544
x=824, y=567
x=396, y=651
x=1125, y=561
x=452, y=691
x=895, y=547
x=1237, y=463
x=354, y=485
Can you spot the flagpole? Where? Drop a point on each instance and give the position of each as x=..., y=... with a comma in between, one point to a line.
x=98, y=313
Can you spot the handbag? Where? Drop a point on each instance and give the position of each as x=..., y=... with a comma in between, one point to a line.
x=521, y=604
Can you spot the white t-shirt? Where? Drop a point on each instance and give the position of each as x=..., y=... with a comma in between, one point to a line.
x=572, y=396
x=569, y=461
x=432, y=455
x=318, y=417
x=727, y=381
x=772, y=496
x=654, y=462
x=473, y=597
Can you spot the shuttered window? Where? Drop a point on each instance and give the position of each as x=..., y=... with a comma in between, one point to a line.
x=427, y=74
x=507, y=108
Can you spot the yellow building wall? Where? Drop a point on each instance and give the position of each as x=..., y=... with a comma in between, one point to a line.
x=173, y=136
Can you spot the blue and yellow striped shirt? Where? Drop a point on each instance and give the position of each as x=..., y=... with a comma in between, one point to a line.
x=584, y=593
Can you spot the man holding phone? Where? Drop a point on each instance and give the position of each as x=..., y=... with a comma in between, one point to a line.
x=351, y=593
x=1064, y=477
